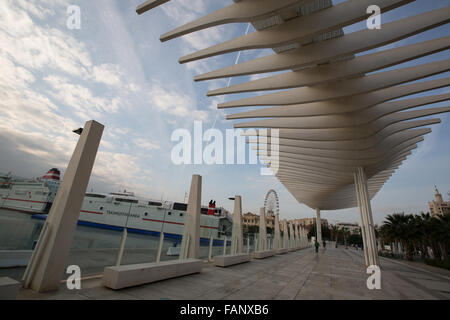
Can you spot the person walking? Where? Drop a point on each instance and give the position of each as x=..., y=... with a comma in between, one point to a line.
x=317, y=246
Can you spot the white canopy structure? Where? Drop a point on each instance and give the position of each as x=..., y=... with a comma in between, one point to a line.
x=343, y=131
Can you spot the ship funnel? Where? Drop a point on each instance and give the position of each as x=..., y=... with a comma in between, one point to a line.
x=211, y=208
x=52, y=174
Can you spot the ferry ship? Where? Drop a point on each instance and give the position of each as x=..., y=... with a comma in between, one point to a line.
x=29, y=195
x=114, y=210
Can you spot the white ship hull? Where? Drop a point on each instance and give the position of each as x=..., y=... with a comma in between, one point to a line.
x=111, y=211
x=31, y=199
x=140, y=217
x=108, y=213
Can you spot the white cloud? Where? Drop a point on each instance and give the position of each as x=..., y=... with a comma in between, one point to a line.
x=46, y=77
x=42, y=48
x=108, y=74
x=35, y=9
x=35, y=47
x=146, y=144
x=175, y=103
x=81, y=99
x=120, y=170
x=206, y=38
x=184, y=11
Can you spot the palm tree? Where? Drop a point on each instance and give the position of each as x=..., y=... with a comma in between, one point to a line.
x=442, y=234
x=334, y=234
x=398, y=227
x=418, y=233
x=346, y=235
x=428, y=226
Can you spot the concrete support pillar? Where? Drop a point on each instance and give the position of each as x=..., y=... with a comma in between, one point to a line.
x=277, y=240
x=262, y=230
x=297, y=235
x=300, y=231
x=366, y=217
x=288, y=235
x=190, y=245
x=300, y=236
x=291, y=235
x=285, y=234
x=318, y=228
x=305, y=236
x=363, y=227
x=237, y=243
x=46, y=268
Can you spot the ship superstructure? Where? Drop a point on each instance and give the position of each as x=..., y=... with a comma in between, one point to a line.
x=29, y=195
x=112, y=210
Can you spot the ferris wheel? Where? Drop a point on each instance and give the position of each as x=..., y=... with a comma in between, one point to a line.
x=271, y=203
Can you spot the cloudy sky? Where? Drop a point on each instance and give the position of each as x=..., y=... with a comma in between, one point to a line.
x=115, y=70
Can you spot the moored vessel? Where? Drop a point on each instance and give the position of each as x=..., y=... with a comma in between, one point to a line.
x=114, y=211
x=29, y=195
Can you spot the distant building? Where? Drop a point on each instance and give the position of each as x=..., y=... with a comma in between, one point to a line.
x=307, y=222
x=251, y=219
x=353, y=228
x=439, y=207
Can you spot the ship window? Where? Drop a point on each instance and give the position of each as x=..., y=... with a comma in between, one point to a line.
x=179, y=206
x=126, y=200
x=204, y=210
x=169, y=213
x=145, y=214
x=181, y=214
x=93, y=195
x=151, y=203
x=101, y=208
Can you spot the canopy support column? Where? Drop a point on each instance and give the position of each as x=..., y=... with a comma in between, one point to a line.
x=367, y=226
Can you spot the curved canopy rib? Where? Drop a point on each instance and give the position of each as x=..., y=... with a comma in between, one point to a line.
x=339, y=119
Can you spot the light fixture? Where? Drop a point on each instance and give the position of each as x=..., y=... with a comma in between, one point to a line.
x=78, y=131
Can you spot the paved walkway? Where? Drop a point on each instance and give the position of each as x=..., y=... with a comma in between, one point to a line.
x=332, y=274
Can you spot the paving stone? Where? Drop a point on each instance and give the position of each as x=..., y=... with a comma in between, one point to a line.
x=336, y=274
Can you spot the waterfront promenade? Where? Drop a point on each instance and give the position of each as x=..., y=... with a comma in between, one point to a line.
x=332, y=274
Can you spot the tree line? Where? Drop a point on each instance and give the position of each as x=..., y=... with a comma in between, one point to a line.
x=421, y=235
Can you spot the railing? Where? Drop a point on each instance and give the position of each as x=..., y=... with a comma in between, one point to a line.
x=29, y=271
